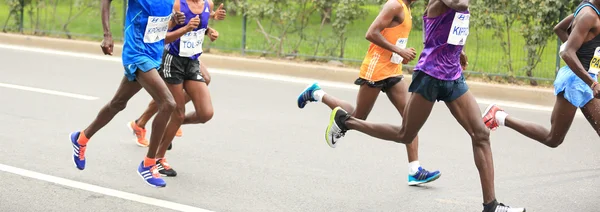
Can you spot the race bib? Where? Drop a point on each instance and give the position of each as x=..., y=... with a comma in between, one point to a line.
x=595, y=63
x=401, y=43
x=459, y=30
x=156, y=28
x=190, y=44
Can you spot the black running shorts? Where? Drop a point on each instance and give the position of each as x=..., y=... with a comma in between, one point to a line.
x=175, y=69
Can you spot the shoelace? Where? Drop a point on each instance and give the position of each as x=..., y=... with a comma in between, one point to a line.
x=82, y=149
x=165, y=164
x=154, y=171
x=502, y=208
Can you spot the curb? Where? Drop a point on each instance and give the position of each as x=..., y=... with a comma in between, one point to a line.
x=512, y=93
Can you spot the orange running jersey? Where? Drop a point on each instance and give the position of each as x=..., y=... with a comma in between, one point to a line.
x=380, y=63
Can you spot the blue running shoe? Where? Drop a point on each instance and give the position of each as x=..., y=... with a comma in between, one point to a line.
x=151, y=176
x=78, y=151
x=423, y=176
x=307, y=95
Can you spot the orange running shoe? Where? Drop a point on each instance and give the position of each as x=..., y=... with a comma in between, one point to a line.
x=140, y=134
x=489, y=116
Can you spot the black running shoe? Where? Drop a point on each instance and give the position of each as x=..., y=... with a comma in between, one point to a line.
x=164, y=168
x=499, y=207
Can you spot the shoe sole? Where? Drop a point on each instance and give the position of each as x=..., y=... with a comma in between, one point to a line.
x=301, y=94
x=425, y=182
x=155, y=186
x=72, y=158
x=135, y=139
x=331, y=123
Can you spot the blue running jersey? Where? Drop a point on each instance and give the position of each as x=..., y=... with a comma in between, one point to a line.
x=146, y=26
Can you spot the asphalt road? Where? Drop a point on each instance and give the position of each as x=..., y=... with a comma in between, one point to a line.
x=261, y=153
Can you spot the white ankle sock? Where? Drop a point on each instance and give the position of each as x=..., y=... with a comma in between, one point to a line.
x=318, y=95
x=413, y=167
x=501, y=117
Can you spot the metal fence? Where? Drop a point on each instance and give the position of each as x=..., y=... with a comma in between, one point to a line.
x=314, y=40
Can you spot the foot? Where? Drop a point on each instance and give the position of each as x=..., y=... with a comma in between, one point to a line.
x=499, y=207
x=78, y=151
x=307, y=95
x=140, y=134
x=489, y=116
x=337, y=127
x=165, y=169
x=423, y=176
x=151, y=176
x=179, y=133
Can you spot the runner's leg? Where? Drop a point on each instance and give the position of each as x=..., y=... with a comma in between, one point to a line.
x=466, y=111
x=591, y=112
x=561, y=120
x=200, y=96
x=175, y=121
x=398, y=94
x=418, y=110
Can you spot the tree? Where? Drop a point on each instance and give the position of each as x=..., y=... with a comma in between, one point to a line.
x=538, y=18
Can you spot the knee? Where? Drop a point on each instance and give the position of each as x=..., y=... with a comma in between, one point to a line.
x=405, y=138
x=167, y=105
x=204, y=116
x=480, y=137
x=117, y=105
x=554, y=142
x=178, y=114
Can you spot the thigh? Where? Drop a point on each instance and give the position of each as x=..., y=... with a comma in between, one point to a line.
x=592, y=113
x=365, y=100
x=126, y=90
x=204, y=72
x=398, y=96
x=178, y=94
x=200, y=95
x=562, y=117
x=466, y=111
x=155, y=86
x=417, y=111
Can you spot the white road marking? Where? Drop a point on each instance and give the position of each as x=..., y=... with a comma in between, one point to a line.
x=100, y=190
x=263, y=76
x=47, y=91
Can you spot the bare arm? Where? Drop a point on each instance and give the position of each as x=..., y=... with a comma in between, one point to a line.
x=458, y=5
x=174, y=35
x=585, y=21
x=561, y=28
x=106, y=17
x=383, y=20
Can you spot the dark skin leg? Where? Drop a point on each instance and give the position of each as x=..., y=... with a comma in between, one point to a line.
x=203, y=108
x=561, y=120
x=417, y=112
x=176, y=119
x=152, y=108
x=591, y=112
x=154, y=85
x=467, y=112
x=364, y=102
x=399, y=96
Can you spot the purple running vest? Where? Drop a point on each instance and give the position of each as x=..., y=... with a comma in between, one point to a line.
x=444, y=39
x=192, y=41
